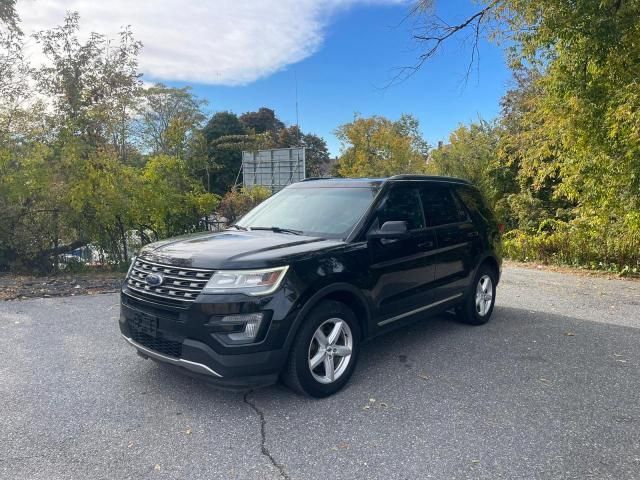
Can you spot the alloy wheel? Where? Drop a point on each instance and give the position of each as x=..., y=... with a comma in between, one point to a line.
x=484, y=295
x=330, y=350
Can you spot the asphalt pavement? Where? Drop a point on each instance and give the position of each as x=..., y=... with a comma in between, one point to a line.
x=549, y=389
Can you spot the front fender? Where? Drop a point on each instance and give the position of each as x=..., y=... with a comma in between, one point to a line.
x=316, y=294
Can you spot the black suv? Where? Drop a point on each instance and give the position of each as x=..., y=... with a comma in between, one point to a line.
x=294, y=288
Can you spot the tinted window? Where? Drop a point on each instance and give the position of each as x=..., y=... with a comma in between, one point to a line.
x=474, y=201
x=402, y=204
x=441, y=206
x=316, y=211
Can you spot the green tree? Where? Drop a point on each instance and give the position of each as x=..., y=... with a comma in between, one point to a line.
x=91, y=85
x=171, y=200
x=68, y=174
x=168, y=120
x=377, y=146
x=100, y=196
x=471, y=154
x=238, y=201
x=223, y=163
x=14, y=70
x=290, y=136
x=317, y=158
x=264, y=121
x=571, y=130
x=8, y=14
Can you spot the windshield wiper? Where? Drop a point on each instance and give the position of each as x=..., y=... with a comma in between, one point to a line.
x=237, y=227
x=278, y=230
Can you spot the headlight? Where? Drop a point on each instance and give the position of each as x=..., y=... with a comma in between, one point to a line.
x=249, y=282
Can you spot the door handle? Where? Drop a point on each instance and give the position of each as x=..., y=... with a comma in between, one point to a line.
x=425, y=244
x=473, y=234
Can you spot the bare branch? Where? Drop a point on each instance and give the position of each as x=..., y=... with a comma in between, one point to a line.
x=450, y=30
x=437, y=32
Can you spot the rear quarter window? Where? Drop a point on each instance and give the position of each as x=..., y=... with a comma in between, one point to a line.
x=475, y=202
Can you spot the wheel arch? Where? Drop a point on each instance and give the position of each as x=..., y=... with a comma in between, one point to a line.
x=492, y=262
x=341, y=292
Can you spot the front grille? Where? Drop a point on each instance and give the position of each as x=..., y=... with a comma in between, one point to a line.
x=158, y=311
x=179, y=288
x=157, y=344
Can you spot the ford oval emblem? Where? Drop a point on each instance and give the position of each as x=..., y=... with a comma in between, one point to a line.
x=154, y=279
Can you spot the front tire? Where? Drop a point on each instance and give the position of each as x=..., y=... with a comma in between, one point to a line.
x=478, y=305
x=325, y=351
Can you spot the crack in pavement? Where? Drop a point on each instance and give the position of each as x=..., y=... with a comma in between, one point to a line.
x=263, y=437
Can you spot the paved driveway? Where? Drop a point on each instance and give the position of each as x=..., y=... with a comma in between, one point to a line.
x=550, y=388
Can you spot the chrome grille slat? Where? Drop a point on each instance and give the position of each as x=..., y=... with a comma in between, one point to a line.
x=182, y=285
x=198, y=286
x=162, y=288
x=147, y=292
x=175, y=267
x=172, y=277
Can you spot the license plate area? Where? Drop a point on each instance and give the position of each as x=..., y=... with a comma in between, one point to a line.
x=144, y=323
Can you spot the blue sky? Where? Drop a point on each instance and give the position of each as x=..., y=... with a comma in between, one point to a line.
x=244, y=54
x=351, y=68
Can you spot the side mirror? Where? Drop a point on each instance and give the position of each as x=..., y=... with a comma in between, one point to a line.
x=390, y=230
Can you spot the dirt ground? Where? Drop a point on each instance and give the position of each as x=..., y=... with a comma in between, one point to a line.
x=14, y=287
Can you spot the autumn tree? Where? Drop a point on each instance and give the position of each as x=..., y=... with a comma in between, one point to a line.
x=67, y=175
x=571, y=127
x=470, y=154
x=168, y=119
x=378, y=147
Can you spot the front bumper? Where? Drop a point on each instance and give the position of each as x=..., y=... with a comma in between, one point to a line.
x=196, y=367
x=183, y=338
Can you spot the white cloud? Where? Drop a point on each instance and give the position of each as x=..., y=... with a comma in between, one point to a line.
x=228, y=42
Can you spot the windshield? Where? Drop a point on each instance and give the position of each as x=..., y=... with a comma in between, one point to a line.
x=315, y=211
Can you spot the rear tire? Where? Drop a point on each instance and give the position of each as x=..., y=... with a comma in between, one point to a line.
x=325, y=351
x=478, y=305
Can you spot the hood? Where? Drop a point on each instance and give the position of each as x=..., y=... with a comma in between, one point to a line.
x=232, y=249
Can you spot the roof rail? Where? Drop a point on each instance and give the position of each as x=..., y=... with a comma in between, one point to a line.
x=311, y=179
x=440, y=178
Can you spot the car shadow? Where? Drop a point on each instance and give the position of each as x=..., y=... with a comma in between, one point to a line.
x=440, y=347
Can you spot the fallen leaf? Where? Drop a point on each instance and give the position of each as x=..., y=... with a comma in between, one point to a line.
x=366, y=407
x=188, y=431
x=423, y=376
x=372, y=400
x=383, y=405
x=544, y=380
x=157, y=468
x=343, y=445
x=570, y=334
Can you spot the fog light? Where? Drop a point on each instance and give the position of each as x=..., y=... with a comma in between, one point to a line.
x=251, y=325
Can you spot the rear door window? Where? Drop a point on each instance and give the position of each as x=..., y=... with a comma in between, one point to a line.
x=474, y=201
x=441, y=207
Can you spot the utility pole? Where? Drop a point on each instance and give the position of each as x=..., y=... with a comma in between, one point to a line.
x=295, y=73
